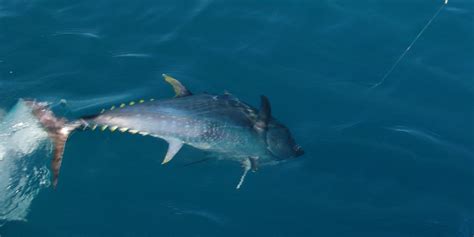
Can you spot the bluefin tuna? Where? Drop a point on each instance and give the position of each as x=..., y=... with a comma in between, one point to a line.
x=221, y=124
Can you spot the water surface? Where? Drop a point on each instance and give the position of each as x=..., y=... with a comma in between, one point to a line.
x=396, y=160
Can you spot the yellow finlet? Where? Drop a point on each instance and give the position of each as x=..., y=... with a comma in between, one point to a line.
x=113, y=107
x=123, y=129
x=141, y=101
x=104, y=127
x=132, y=103
x=94, y=127
x=122, y=105
x=102, y=111
x=132, y=131
x=143, y=133
x=112, y=129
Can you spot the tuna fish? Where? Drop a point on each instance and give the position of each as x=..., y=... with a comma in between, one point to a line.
x=221, y=124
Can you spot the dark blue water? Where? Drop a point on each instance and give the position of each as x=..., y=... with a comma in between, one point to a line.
x=395, y=160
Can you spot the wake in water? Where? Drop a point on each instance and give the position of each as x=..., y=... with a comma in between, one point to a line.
x=22, y=172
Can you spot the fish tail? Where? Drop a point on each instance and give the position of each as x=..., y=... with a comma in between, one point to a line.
x=58, y=130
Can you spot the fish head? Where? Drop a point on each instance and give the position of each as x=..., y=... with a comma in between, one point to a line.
x=280, y=142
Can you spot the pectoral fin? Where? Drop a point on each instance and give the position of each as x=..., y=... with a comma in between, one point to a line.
x=174, y=146
x=253, y=163
x=178, y=88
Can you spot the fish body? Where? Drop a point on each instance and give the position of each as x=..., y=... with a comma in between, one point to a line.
x=219, y=124
x=216, y=123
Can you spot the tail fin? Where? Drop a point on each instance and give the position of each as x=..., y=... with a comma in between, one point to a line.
x=58, y=130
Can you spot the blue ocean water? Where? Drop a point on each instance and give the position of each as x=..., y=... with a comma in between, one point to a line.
x=394, y=160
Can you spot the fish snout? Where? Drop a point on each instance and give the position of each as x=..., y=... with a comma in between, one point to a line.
x=298, y=150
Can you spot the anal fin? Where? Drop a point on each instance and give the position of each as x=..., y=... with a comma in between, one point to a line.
x=174, y=145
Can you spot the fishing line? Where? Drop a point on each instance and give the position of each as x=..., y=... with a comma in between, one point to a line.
x=409, y=46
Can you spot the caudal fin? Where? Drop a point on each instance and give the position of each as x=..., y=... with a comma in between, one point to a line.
x=58, y=130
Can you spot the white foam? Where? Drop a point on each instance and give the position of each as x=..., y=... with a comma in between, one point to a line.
x=22, y=171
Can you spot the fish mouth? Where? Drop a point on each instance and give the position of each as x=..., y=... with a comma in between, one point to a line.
x=298, y=150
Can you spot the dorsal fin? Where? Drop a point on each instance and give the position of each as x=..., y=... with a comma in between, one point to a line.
x=178, y=88
x=264, y=114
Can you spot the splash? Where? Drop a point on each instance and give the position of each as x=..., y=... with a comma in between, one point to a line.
x=22, y=172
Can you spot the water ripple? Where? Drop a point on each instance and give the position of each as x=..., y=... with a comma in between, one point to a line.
x=431, y=137
x=80, y=33
x=198, y=212
x=132, y=55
